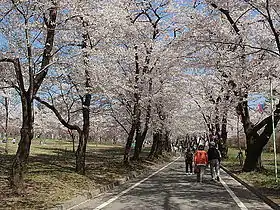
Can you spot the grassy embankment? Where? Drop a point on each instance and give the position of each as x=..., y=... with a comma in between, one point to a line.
x=263, y=180
x=51, y=177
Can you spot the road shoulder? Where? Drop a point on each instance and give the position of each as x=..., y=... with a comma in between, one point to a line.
x=252, y=189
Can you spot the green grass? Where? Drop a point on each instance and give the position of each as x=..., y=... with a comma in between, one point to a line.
x=51, y=177
x=263, y=180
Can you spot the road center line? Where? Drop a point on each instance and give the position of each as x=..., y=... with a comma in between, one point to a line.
x=235, y=198
x=130, y=188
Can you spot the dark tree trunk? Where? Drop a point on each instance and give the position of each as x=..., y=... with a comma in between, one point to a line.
x=167, y=142
x=72, y=135
x=253, y=153
x=138, y=146
x=6, y=104
x=143, y=137
x=80, y=155
x=129, y=143
x=158, y=135
x=223, y=140
x=86, y=100
x=20, y=160
x=35, y=81
x=135, y=127
x=140, y=139
x=160, y=146
x=255, y=141
x=154, y=147
x=136, y=112
x=217, y=128
x=83, y=139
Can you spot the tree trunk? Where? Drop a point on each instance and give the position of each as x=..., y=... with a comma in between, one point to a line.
x=83, y=139
x=35, y=81
x=154, y=145
x=6, y=124
x=167, y=143
x=26, y=132
x=253, y=151
x=80, y=155
x=217, y=126
x=73, y=139
x=136, y=113
x=138, y=139
x=86, y=99
x=129, y=143
x=256, y=142
x=160, y=145
x=139, y=145
x=223, y=140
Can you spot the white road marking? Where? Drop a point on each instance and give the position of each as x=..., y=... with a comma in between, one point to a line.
x=130, y=188
x=79, y=204
x=235, y=198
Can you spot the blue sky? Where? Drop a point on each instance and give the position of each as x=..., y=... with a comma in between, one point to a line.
x=3, y=42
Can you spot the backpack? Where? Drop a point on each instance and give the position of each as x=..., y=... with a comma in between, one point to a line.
x=201, y=157
x=189, y=156
x=217, y=153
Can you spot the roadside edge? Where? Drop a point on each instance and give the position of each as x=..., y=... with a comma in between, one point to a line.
x=252, y=189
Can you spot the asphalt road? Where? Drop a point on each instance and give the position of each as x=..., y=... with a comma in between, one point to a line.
x=171, y=188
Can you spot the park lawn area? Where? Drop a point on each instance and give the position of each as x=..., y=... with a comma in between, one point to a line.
x=51, y=177
x=263, y=180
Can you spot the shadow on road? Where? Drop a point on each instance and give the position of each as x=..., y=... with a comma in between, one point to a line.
x=173, y=189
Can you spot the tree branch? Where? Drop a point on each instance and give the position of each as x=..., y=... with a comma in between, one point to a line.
x=19, y=76
x=58, y=115
x=229, y=18
x=51, y=24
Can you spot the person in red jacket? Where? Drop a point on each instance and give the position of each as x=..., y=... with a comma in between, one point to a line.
x=200, y=161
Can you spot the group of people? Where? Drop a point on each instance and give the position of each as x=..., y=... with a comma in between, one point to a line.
x=6, y=140
x=201, y=158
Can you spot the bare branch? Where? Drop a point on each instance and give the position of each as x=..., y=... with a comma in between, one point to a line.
x=58, y=115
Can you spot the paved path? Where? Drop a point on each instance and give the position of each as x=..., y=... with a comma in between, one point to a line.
x=171, y=188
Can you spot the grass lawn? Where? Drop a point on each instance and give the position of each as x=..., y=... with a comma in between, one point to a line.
x=51, y=177
x=263, y=180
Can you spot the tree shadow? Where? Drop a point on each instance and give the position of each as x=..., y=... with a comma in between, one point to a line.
x=51, y=175
x=173, y=189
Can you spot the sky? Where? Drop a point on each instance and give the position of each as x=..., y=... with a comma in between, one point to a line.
x=3, y=43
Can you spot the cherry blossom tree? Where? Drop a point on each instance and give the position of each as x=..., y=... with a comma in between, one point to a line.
x=23, y=26
x=239, y=31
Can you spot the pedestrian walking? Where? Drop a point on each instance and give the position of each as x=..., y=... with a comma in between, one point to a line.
x=189, y=161
x=214, y=157
x=200, y=161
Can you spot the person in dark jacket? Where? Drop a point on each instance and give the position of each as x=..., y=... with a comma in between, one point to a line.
x=189, y=160
x=214, y=158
